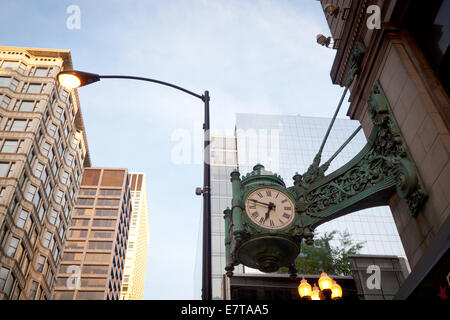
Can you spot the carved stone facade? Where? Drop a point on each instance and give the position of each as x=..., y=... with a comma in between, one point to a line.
x=413, y=73
x=43, y=151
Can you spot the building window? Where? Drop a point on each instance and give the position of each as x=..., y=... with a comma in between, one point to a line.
x=53, y=214
x=69, y=159
x=33, y=290
x=61, y=232
x=52, y=129
x=56, y=255
x=64, y=95
x=38, y=169
x=6, y=169
x=85, y=202
x=31, y=191
x=41, y=213
x=26, y=106
x=10, y=65
x=9, y=82
x=35, y=88
x=87, y=192
x=58, y=112
x=59, y=196
x=45, y=149
x=47, y=238
x=4, y=81
x=40, y=264
x=37, y=199
x=18, y=125
x=5, y=100
x=12, y=248
x=6, y=283
x=3, y=277
x=64, y=177
x=22, y=218
x=41, y=72
x=10, y=146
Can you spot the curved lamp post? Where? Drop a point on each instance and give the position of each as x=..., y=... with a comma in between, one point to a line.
x=329, y=289
x=73, y=79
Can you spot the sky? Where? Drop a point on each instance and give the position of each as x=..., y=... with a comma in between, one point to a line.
x=253, y=56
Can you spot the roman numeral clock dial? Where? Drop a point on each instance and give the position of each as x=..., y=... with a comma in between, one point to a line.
x=270, y=208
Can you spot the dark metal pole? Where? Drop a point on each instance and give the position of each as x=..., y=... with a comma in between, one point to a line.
x=207, y=280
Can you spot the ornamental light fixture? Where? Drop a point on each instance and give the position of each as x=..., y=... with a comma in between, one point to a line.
x=304, y=290
x=336, y=291
x=325, y=282
x=315, y=294
x=328, y=289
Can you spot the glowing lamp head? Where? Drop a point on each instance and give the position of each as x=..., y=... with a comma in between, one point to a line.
x=69, y=81
x=304, y=289
x=325, y=282
x=336, y=291
x=72, y=79
x=315, y=294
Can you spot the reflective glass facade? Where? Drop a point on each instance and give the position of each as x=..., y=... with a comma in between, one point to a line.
x=288, y=144
x=223, y=161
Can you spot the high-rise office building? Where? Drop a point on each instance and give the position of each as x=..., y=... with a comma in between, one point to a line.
x=43, y=150
x=136, y=259
x=286, y=145
x=223, y=162
x=94, y=256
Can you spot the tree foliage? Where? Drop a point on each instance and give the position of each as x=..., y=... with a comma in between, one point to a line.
x=323, y=256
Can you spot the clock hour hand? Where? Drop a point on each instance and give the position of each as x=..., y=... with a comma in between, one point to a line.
x=267, y=215
x=271, y=206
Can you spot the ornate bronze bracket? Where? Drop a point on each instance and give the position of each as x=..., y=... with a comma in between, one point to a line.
x=382, y=167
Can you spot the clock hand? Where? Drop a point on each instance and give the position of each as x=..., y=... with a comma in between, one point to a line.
x=265, y=204
x=271, y=206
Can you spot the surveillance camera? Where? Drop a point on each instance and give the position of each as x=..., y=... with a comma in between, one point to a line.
x=331, y=10
x=322, y=40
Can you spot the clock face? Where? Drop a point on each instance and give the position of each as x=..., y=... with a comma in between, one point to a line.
x=270, y=208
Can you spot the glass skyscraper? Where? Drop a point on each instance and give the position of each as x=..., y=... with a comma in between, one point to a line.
x=286, y=145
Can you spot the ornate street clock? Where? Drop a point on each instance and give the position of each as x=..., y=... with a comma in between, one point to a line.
x=268, y=221
x=264, y=231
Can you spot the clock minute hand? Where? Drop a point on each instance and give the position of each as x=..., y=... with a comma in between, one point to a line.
x=265, y=204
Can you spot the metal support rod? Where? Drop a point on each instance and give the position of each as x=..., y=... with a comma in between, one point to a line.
x=344, y=144
x=332, y=121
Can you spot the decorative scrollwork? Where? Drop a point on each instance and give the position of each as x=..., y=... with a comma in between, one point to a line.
x=385, y=158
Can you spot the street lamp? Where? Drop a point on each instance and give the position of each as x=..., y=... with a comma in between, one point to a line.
x=72, y=79
x=329, y=289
